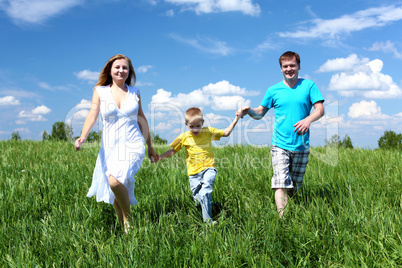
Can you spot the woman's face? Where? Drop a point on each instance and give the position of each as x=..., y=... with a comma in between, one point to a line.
x=119, y=71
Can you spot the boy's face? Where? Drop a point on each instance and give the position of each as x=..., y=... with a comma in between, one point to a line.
x=195, y=126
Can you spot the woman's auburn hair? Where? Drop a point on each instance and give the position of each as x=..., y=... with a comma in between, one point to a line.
x=106, y=79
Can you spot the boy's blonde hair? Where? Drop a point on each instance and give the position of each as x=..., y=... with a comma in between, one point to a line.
x=193, y=114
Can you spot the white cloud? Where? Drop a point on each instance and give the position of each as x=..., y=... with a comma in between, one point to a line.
x=222, y=103
x=163, y=126
x=36, y=11
x=346, y=24
x=364, y=109
x=182, y=100
x=268, y=44
x=22, y=130
x=78, y=113
x=81, y=115
x=360, y=77
x=342, y=64
x=144, y=68
x=387, y=47
x=41, y=110
x=215, y=6
x=219, y=96
x=87, y=75
x=51, y=88
x=225, y=88
x=34, y=115
x=366, y=117
x=9, y=100
x=169, y=13
x=205, y=44
x=30, y=117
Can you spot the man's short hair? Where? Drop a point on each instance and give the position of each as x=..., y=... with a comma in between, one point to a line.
x=192, y=114
x=289, y=55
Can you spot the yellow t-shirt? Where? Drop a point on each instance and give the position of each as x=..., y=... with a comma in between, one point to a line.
x=199, y=154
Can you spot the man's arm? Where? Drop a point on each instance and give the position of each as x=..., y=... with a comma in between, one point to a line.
x=303, y=126
x=255, y=113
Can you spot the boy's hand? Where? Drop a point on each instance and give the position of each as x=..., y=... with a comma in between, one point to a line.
x=242, y=111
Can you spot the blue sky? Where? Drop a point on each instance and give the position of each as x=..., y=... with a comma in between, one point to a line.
x=214, y=54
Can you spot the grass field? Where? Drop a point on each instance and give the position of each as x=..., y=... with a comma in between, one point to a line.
x=347, y=215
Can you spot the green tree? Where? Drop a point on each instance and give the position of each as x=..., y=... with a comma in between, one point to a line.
x=390, y=140
x=45, y=136
x=333, y=141
x=336, y=141
x=346, y=142
x=156, y=139
x=61, y=131
x=15, y=136
x=94, y=136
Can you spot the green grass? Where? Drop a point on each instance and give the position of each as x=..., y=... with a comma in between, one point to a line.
x=347, y=215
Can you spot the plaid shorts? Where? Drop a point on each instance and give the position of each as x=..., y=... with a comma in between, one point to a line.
x=289, y=167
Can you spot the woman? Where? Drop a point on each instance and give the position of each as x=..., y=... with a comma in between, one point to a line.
x=124, y=128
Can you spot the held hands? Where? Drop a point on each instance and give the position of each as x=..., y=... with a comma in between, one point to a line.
x=242, y=111
x=153, y=155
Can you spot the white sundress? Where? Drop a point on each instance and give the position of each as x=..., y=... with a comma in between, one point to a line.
x=122, y=148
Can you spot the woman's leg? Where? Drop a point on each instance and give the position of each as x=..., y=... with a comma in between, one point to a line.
x=118, y=211
x=122, y=201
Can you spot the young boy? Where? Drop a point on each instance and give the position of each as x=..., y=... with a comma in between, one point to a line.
x=199, y=157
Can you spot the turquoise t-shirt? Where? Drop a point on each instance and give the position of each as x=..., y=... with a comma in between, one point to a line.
x=291, y=105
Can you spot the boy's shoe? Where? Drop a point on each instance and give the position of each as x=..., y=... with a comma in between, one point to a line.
x=208, y=224
x=211, y=222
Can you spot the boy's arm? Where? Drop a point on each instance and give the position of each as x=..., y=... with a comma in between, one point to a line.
x=167, y=154
x=229, y=129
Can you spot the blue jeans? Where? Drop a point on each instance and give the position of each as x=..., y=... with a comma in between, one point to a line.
x=201, y=186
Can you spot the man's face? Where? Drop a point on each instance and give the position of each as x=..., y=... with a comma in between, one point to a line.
x=290, y=69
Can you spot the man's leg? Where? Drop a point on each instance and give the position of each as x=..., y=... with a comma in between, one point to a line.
x=281, y=200
x=281, y=180
x=298, y=168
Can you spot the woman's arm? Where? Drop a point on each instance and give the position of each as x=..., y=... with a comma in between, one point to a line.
x=144, y=128
x=90, y=120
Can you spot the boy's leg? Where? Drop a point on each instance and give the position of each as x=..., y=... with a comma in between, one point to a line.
x=205, y=193
x=201, y=185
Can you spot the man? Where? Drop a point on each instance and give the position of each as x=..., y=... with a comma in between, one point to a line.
x=292, y=100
